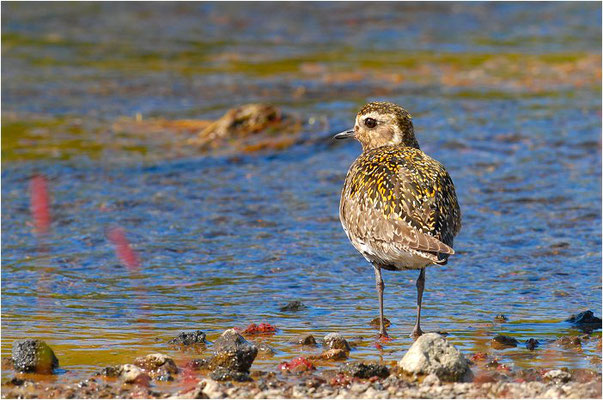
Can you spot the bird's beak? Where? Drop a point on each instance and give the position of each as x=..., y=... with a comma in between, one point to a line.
x=345, y=134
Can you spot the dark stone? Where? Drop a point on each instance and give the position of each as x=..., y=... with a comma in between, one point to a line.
x=16, y=382
x=33, y=355
x=293, y=306
x=156, y=361
x=502, y=342
x=307, y=340
x=529, y=375
x=500, y=318
x=364, y=370
x=569, y=341
x=110, y=372
x=585, y=320
x=532, y=343
x=265, y=351
x=233, y=352
x=225, y=374
x=197, y=364
x=188, y=338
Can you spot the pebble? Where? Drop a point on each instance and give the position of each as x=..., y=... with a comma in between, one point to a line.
x=336, y=341
x=558, y=376
x=189, y=338
x=364, y=370
x=502, y=342
x=158, y=366
x=334, y=354
x=500, y=318
x=531, y=344
x=306, y=340
x=293, y=306
x=130, y=373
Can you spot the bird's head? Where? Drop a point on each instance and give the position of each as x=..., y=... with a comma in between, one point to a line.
x=382, y=124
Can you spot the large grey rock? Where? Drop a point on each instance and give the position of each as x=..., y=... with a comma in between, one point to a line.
x=433, y=354
x=33, y=355
x=233, y=352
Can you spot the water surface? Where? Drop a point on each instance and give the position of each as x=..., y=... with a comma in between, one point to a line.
x=226, y=241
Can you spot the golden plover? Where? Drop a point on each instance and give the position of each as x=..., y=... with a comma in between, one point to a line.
x=398, y=205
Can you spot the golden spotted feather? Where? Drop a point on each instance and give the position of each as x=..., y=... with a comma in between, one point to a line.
x=398, y=200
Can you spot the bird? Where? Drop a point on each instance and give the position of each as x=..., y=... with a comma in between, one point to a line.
x=398, y=205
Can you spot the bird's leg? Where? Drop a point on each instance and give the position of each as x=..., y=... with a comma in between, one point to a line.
x=380, y=286
x=416, y=332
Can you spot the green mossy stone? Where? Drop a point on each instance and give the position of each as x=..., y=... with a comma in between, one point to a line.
x=33, y=355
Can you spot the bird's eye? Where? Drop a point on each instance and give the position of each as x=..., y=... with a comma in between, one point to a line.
x=370, y=122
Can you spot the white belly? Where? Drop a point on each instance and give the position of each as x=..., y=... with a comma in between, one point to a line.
x=390, y=256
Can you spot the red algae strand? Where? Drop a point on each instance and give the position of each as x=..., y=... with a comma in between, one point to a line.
x=126, y=254
x=40, y=203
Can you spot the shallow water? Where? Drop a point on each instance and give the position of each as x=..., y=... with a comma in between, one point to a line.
x=226, y=241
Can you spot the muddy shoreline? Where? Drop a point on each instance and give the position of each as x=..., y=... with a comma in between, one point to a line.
x=326, y=368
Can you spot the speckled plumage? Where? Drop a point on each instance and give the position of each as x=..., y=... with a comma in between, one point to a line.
x=398, y=199
x=398, y=205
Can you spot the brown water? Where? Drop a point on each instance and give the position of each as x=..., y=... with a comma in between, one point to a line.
x=515, y=115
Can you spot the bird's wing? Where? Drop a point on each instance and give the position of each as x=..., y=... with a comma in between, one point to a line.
x=391, y=198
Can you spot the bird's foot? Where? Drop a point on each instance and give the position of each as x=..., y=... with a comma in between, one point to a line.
x=384, y=338
x=416, y=333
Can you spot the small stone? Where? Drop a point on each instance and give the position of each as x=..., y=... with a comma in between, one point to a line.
x=500, y=318
x=211, y=389
x=306, y=340
x=431, y=380
x=158, y=366
x=558, y=376
x=336, y=341
x=433, y=354
x=132, y=374
x=532, y=343
x=33, y=355
x=265, y=351
x=293, y=306
x=364, y=370
x=334, y=354
x=502, y=342
x=224, y=374
x=110, y=372
x=188, y=338
x=197, y=364
x=569, y=341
